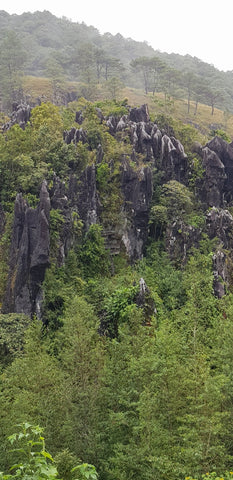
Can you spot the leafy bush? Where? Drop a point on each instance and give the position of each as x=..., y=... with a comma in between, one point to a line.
x=113, y=107
x=34, y=462
x=177, y=198
x=222, y=134
x=93, y=256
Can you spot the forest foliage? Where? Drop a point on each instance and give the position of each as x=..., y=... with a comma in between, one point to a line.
x=138, y=390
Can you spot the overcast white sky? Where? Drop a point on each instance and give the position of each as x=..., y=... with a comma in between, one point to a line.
x=201, y=28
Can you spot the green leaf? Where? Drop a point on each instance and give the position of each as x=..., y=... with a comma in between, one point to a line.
x=47, y=455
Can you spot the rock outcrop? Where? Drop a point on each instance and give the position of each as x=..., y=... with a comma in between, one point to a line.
x=2, y=220
x=80, y=199
x=20, y=115
x=137, y=188
x=179, y=239
x=155, y=146
x=217, y=187
x=224, y=150
x=219, y=225
x=214, y=178
x=29, y=255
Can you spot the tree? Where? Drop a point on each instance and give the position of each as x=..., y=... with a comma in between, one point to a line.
x=82, y=358
x=143, y=65
x=112, y=66
x=32, y=390
x=100, y=59
x=85, y=62
x=56, y=76
x=170, y=78
x=94, y=257
x=188, y=82
x=12, y=58
x=157, y=68
x=114, y=86
x=177, y=198
x=213, y=95
x=199, y=89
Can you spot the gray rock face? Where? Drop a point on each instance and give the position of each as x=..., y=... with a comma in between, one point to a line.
x=179, y=239
x=29, y=255
x=220, y=273
x=59, y=201
x=224, y=150
x=217, y=187
x=137, y=191
x=219, y=224
x=140, y=114
x=83, y=196
x=75, y=135
x=145, y=301
x=151, y=147
x=21, y=115
x=215, y=177
x=157, y=148
x=174, y=159
x=2, y=220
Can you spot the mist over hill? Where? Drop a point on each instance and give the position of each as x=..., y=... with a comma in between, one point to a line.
x=58, y=47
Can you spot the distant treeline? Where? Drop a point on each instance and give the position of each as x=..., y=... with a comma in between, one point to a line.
x=41, y=44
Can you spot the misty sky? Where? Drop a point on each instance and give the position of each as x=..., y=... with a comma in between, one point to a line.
x=201, y=28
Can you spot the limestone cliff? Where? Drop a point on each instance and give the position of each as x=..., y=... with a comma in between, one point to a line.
x=80, y=198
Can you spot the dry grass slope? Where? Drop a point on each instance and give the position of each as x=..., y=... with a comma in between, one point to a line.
x=203, y=120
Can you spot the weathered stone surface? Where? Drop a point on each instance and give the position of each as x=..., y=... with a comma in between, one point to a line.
x=137, y=191
x=75, y=135
x=156, y=141
x=112, y=123
x=151, y=147
x=224, y=150
x=87, y=199
x=140, y=114
x=220, y=273
x=29, y=255
x=156, y=146
x=149, y=143
x=79, y=117
x=83, y=196
x=21, y=115
x=215, y=177
x=173, y=159
x=145, y=301
x=219, y=224
x=2, y=220
x=179, y=238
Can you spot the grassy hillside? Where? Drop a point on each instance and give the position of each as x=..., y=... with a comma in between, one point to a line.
x=203, y=120
x=42, y=45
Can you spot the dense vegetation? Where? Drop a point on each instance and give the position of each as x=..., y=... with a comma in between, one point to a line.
x=150, y=394
x=137, y=383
